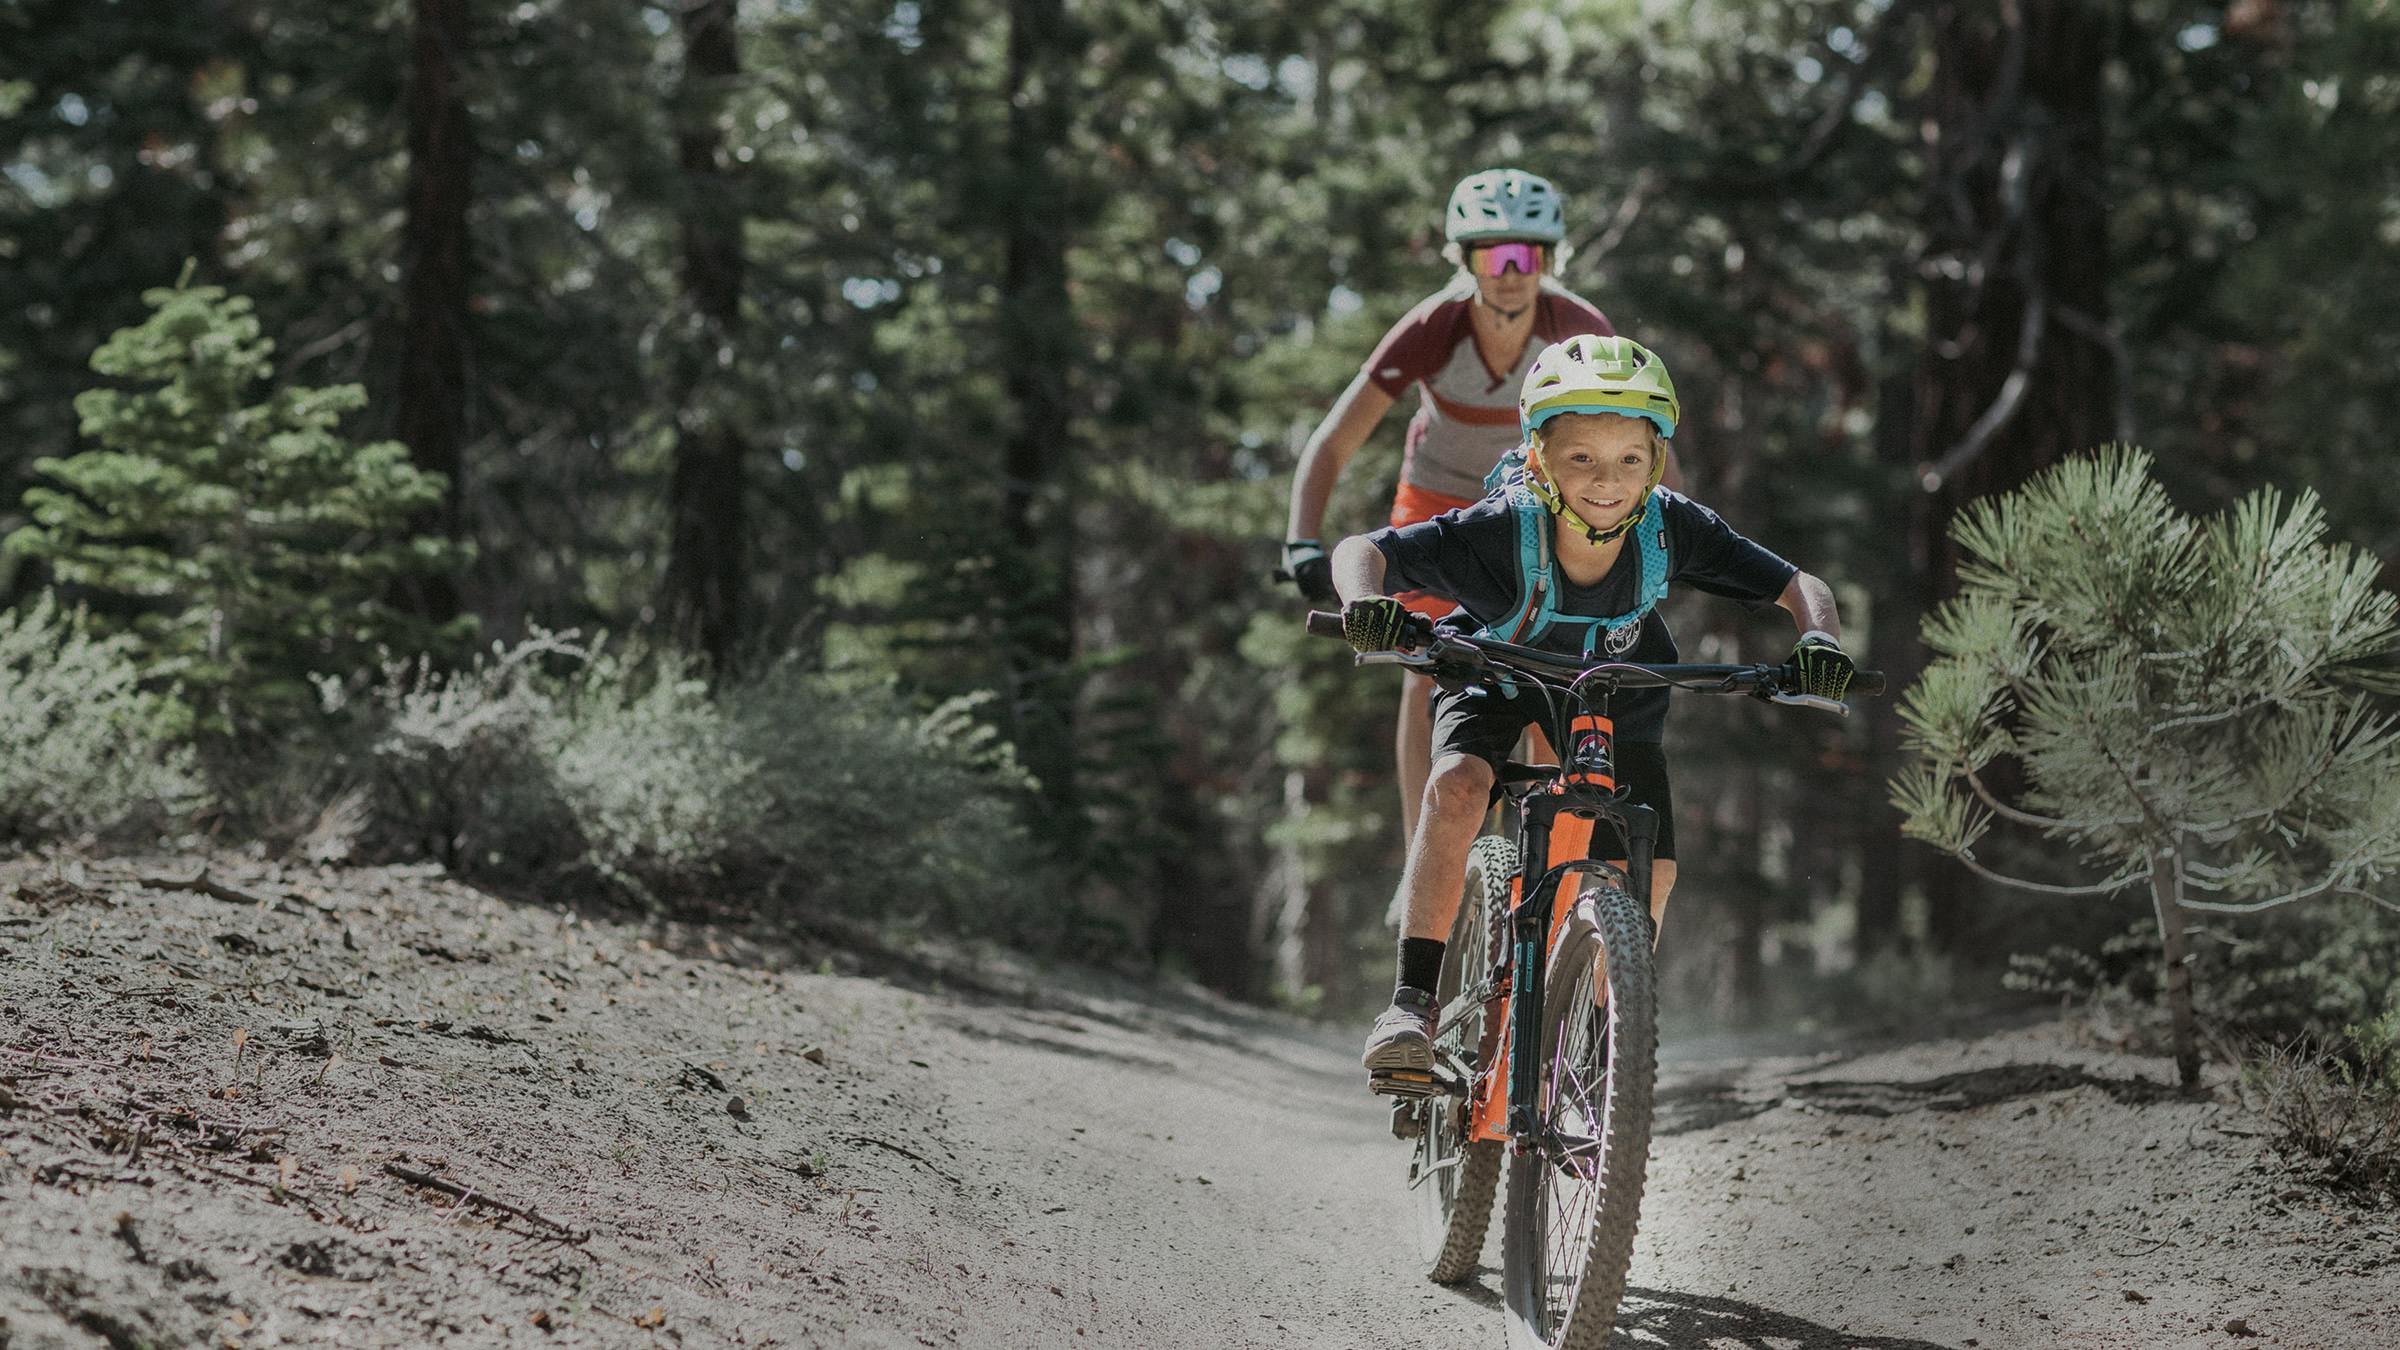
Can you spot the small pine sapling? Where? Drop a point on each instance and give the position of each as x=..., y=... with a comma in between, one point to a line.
x=244, y=545
x=2191, y=707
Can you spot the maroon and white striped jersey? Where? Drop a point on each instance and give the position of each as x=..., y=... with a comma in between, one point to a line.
x=1469, y=415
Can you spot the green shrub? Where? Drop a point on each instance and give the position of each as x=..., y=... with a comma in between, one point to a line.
x=648, y=766
x=875, y=807
x=2335, y=1104
x=457, y=757
x=787, y=792
x=83, y=746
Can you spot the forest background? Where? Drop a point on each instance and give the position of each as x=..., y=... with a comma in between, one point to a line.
x=913, y=391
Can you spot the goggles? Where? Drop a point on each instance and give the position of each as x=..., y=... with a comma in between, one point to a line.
x=1494, y=260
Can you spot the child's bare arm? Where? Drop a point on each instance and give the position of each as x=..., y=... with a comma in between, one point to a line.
x=1809, y=602
x=1357, y=568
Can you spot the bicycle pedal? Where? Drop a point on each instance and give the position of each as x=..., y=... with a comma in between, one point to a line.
x=1403, y=1082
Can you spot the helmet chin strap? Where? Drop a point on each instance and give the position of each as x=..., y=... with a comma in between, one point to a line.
x=1599, y=536
x=1506, y=315
x=1546, y=491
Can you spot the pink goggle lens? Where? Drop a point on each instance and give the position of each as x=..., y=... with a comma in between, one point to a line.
x=1494, y=260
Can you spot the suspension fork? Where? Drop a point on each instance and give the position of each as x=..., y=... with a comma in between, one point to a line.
x=1641, y=848
x=1529, y=928
x=1528, y=938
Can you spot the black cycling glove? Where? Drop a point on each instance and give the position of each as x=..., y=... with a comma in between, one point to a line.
x=1306, y=565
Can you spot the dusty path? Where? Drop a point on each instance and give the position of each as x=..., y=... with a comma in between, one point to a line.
x=990, y=1156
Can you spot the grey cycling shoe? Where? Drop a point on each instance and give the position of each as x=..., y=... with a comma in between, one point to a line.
x=1399, y=1053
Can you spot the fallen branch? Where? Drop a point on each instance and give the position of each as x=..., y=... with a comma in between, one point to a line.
x=45, y=1057
x=913, y=1157
x=201, y=885
x=467, y=1196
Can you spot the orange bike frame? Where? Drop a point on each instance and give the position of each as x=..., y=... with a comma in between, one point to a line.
x=1570, y=836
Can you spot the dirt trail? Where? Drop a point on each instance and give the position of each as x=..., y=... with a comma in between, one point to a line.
x=681, y=1137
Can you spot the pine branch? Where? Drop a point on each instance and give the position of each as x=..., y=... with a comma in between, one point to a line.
x=1629, y=209
x=2199, y=719
x=2039, y=822
x=2376, y=900
x=1881, y=43
x=2336, y=881
x=2004, y=810
x=2003, y=409
x=2048, y=888
x=2254, y=906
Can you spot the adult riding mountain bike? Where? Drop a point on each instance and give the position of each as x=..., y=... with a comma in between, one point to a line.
x=1546, y=1036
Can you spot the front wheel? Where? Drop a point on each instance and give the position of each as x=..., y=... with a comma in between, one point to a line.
x=1575, y=1192
x=1455, y=1178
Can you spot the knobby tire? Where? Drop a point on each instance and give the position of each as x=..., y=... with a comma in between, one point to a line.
x=1568, y=1236
x=1454, y=1203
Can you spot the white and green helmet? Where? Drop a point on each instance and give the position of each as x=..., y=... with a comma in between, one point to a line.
x=1589, y=373
x=1504, y=204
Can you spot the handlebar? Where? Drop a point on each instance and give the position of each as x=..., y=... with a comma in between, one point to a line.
x=1435, y=646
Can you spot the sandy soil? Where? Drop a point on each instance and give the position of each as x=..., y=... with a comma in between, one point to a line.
x=376, y=1107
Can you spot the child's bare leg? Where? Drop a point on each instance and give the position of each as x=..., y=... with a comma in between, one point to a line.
x=1412, y=745
x=1457, y=793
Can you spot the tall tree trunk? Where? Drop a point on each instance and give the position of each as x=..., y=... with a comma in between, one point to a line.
x=1288, y=894
x=2166, y=896
x=431, y=408
x=1037, y=348
x=2015, y=373
x=709, y=535
x=1885, y=867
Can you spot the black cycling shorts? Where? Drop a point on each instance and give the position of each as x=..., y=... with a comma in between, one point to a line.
x=1487, y=725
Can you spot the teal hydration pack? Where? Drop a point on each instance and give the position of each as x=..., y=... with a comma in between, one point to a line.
x=1539, y=584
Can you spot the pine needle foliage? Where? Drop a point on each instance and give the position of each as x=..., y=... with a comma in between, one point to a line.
x=242, y=545
x=2196, y=706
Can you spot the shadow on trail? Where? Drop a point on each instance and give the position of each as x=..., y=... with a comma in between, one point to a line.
x=1659, y=1319
x=1972, y=1089
x=1652, y=1318
x=1710, y=1101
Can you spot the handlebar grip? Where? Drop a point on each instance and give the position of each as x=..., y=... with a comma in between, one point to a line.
x=1867, y=682
x=1324, y=624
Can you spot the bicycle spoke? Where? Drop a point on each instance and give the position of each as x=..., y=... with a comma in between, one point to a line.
x=1576, y=1106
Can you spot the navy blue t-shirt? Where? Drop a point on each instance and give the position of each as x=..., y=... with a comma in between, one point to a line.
x=1471, y=555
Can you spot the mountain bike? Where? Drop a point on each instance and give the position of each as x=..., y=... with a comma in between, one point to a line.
x=1546, y=1036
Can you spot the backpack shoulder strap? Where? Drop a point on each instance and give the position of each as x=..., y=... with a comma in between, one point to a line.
x=1536, y=573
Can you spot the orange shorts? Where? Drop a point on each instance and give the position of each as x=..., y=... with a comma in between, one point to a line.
x=1411, y=505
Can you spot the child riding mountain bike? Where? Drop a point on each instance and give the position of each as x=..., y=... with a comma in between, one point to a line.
x=1467, y=349
x=1572, y=554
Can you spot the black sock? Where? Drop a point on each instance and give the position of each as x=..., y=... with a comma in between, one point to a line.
x=1421, y=963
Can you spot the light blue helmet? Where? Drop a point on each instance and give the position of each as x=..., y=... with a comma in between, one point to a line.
x=1504, y=204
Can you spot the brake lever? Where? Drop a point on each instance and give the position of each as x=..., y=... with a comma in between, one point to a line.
x=1834, y=706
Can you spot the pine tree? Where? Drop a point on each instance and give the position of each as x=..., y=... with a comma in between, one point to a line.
x=250, y=544
x=2191, y=705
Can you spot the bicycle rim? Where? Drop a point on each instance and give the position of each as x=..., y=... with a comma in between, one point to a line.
x=1456, y=1179
x=1575, y=1195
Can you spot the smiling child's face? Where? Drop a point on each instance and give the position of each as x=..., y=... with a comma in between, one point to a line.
x=1600, y=463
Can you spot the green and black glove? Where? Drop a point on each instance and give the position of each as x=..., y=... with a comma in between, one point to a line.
x=1374, y=624
x=1819, y=666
